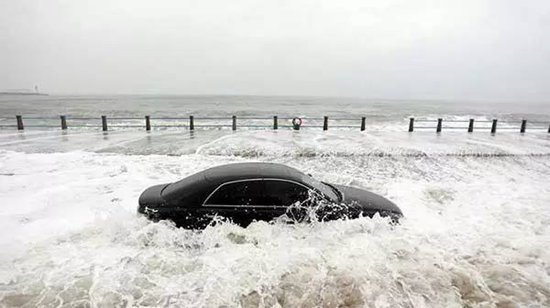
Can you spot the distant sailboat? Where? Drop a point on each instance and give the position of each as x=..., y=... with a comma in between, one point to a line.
x=23, y=92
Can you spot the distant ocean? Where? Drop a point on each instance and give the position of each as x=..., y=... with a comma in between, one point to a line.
x=376, y=110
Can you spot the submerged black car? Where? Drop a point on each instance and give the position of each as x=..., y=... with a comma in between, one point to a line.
x=245, y=192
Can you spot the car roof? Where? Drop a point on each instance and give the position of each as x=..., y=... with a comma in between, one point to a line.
x=239, y=171
x=201, y=184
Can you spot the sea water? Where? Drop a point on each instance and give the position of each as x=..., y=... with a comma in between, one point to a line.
x=475, y=232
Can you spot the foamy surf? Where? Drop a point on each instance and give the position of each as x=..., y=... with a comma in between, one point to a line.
x=475, y=232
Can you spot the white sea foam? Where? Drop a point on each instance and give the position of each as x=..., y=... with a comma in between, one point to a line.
x=476, y=231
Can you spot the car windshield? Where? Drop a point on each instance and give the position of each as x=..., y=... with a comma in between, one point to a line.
x=325, y=189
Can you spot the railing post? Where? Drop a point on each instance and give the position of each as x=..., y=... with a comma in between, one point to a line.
x=19, y=122
x=275, y=123
x=411, y=125
x=104, y=122
x=363, y=120
x=63, y=122
x=494, y=126
x=191, y=122
x=471, y=126
x=439, y=121
x=147, y=123
x=234, y=126
x=325, y=123
x=523, y=125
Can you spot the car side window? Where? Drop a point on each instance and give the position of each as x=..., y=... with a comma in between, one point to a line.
x=269, y=192
x=284, y=193
x=237, y=193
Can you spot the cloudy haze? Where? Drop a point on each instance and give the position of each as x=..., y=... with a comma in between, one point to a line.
x=486, y=50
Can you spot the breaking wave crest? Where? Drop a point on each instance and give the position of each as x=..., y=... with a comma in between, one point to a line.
x=311, y=153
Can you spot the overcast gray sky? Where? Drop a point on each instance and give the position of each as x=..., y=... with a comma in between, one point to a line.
x=463, y=49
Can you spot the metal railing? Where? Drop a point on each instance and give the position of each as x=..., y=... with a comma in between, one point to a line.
x=180, y=122
x=522, y=126
x=190, y=123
